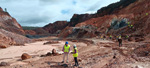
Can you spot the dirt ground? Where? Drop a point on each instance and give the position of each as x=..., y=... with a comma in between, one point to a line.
x=99, y=54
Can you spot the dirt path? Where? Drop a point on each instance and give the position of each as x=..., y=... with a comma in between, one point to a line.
x=13, y=52
x=100, y=54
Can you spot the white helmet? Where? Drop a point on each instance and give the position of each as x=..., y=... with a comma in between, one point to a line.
x=74, y=45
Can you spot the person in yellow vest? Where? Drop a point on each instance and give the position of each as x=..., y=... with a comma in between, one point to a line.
x=75, y=54
x=120, y=41
x=102, y=37
x=66, y=50
x=110, y=37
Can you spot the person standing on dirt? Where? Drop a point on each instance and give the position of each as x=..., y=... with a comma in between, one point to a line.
x=66, y=50
x=120, y=41
x=127, y=36
x=110, y=37
x=75, y=54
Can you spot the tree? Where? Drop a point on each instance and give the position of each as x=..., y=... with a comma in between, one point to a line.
x=5, y=9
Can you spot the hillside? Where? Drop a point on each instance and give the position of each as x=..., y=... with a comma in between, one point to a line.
x=91, y=33
x=10, y=31
x=115, y=22
x=111, y=19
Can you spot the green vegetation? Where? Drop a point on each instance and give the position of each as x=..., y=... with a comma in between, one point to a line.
x=29, y=27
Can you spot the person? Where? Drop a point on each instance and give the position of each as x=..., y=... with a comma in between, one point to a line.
x=127, y=36
x=104, y=37
x=75, y=54
x=110, y=36
x=130, y=26
x=120, y=41
x=101, y=37
x=66, y=50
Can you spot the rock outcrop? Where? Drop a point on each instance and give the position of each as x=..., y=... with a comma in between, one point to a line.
x=114, y=8
x=8, y=38
x=30, y=32
x=9, y=23
x=11, y=32
x=87, y=31
x=53, y=28
x=112, y=19
x=78, y=18
x=102, y=21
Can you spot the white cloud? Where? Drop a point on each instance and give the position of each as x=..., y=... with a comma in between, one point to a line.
x=42, y=12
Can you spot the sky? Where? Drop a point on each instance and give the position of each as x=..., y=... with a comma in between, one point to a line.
x=42, y=12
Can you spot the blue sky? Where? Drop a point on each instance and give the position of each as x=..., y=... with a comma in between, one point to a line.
x=42, y=12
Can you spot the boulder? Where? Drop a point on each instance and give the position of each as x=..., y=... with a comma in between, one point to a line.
x=48, y=54
x=25, y=56
x=74, y=40
x=130, y=39
x=51, y=42
x=107, y=45
x=43, y=56
x=4, y=64
x=54, y=52
x=79, y=59
x=3, y=46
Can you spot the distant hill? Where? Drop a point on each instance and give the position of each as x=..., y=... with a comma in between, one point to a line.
x=29, y=27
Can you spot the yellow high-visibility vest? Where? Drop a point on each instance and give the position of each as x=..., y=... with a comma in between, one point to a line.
x=110, y=36
x=119, y=37
x=66, y=48
x=76, y=54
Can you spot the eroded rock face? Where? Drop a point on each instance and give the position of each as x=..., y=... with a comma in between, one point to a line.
x=1, y=9
x=79, y=32
x=9, y=23
x=11, y=32
x=52, y=28
x=114, y=8
x=30, y=32
x=100, y=20
x=8, y=38
x=78, y=18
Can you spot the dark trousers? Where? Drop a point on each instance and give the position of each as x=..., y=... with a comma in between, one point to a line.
x=120, y=44
x=76, y=61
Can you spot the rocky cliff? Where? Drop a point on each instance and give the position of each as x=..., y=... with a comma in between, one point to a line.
x=113, y=19
x=55, y=27
x=9, y=23
x=11, y=32
x=102, y=20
